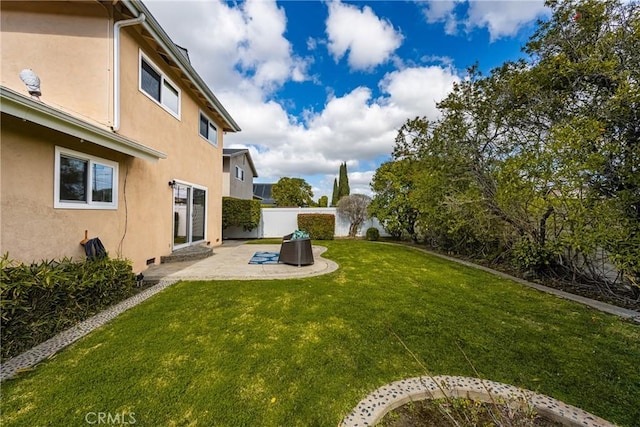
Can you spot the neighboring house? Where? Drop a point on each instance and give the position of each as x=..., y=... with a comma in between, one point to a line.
x=238, y=172
x=262, y=192
x=125, y=140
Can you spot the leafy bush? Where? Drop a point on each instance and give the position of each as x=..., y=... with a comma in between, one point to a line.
x=39, y=300
x=319, y=226
x=240, y=213
x=530, y=257
x=373, y=233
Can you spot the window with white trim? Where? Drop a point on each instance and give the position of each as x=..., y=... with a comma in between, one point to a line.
x=208, y=130
x=158, y=87
x=83, y=181
x=239, y=173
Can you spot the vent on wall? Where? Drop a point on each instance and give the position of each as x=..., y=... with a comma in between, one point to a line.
x=151, y=261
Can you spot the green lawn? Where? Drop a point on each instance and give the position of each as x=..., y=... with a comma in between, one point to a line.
x=304, y=352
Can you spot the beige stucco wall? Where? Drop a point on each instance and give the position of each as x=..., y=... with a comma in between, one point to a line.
x=68, y=45
x=31, y=227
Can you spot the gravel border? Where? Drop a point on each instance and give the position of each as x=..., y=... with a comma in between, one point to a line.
x=374, y=407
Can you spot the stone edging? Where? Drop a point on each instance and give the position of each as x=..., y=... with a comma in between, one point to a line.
x=374, y=407
x=48, y=348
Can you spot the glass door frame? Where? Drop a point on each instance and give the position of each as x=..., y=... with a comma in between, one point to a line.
x=189, y=223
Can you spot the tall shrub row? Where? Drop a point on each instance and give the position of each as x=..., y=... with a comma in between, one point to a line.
x=319, y=226
x=39, y=300
x=240, y=213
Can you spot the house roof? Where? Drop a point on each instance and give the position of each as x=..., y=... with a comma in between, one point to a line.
x=18, y=105
x=235, y=152
x=178, y=60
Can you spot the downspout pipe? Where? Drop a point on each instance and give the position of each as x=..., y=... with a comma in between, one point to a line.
x=116, y=66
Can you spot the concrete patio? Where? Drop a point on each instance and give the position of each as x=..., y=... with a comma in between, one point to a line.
x=230, y=261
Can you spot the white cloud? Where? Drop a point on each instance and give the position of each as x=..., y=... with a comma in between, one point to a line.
x=504, y=18
x=249, y=37
x=242, y=53
x=417, y=90
x=501, y=18
x=369, y=40
x=359, y=182
x=442, y=11
x=352, y=126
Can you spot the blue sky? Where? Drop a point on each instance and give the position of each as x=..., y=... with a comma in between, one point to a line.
x=314, y=84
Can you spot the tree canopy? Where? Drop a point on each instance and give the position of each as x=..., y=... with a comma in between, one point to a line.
x=538, y=162
x=292, y=192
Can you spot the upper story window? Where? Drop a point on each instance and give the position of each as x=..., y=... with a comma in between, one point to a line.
x=208, y=130
x=83, y=181
x=239, y=173
x=158, y=87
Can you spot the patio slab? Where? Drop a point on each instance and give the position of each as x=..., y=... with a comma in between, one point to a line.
x=231, y=262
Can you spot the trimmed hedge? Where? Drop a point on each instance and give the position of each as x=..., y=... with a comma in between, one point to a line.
x=319, y=226
x=38, y=301
x=240, y=213
x=373, y=234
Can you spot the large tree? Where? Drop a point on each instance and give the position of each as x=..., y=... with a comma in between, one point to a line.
x=355, y=208
x=292, y=192
x=393, y=205
x=540, y=160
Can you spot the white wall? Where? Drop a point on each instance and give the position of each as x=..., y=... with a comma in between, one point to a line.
x=277, y=222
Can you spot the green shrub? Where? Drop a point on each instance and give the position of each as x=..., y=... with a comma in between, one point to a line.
x=319, y=226
x=373, y=234
x=240, y=213
x=39, y=300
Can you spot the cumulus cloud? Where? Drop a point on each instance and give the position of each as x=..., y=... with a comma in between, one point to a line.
x=248, y=37
x=442, y=11
x=418, y=89
x=352, y=126
x=504, y=18
x=501, y=18
x=242, y=53
x=366, y=39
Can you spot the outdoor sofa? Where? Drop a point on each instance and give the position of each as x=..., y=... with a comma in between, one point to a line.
x=296, y=251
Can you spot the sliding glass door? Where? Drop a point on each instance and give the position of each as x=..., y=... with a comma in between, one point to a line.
x=189, y=214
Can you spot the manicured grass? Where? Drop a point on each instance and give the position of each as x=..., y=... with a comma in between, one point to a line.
x=304, y=352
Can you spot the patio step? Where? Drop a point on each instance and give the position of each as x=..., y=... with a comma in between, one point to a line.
x=190, y=253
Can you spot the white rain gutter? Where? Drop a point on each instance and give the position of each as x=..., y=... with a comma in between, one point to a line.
x=116, y=66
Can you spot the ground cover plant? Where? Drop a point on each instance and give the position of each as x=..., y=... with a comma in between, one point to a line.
x=39, y=300
x=304, y=352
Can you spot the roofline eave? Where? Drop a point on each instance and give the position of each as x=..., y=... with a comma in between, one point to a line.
x=163, y=39
x=18, y=105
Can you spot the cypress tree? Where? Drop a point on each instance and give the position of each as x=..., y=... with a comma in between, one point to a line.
x=334, y=195
x=343, y=183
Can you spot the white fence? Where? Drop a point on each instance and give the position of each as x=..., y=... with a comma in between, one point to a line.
x=277, y=222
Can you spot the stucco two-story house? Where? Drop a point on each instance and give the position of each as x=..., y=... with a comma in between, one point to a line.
x=123, y=139
x=238, y=172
